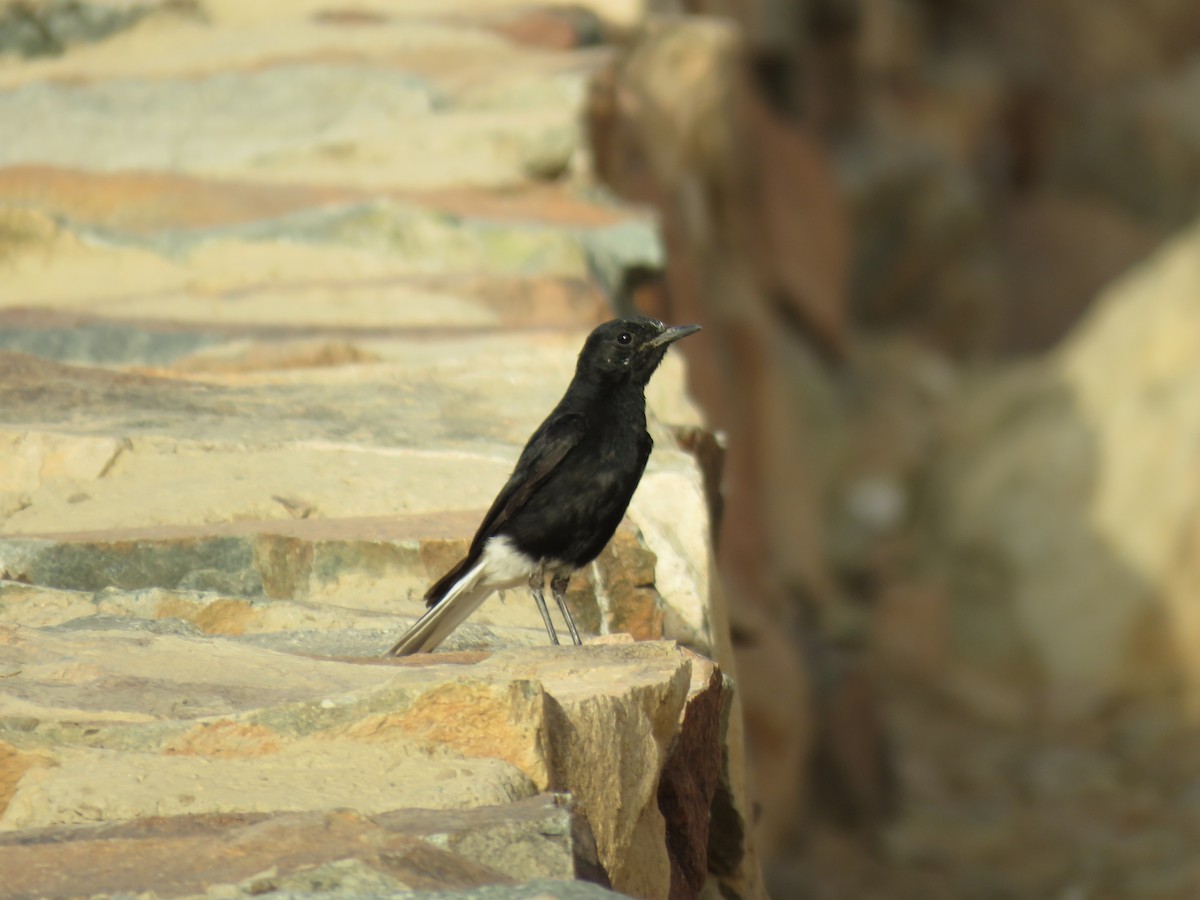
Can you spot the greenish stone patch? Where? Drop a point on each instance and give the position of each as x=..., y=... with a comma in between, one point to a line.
x=131, y=565
x=376, y=559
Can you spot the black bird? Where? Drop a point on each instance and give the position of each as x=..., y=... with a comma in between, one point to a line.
x=569, y=489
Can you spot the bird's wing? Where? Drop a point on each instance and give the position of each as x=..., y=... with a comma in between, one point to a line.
x=548, y=447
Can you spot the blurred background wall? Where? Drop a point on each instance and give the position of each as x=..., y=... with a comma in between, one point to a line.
x=947, y=259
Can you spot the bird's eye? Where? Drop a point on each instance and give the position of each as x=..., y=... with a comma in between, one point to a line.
x=624, y=338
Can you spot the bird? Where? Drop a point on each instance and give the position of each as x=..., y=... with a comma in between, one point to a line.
x=569, y=489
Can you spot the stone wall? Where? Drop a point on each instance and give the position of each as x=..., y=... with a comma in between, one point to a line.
x=946, y=251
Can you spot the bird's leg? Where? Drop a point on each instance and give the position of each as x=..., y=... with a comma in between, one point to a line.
x=537, y=584
x=558, y=586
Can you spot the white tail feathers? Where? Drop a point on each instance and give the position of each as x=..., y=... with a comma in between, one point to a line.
x=439, y=622
x=501, y=566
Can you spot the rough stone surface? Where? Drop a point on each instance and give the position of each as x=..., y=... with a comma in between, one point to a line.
x=263, y=366
x=295, y=852
x=309, y=521
x=49, y=28
x=169, y=726
x=690, y=781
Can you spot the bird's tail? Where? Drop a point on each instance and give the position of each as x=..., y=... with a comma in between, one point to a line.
x=460, y=599
x=448, y=582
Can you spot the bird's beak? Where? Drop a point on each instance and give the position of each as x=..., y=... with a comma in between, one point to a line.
x=671, y=335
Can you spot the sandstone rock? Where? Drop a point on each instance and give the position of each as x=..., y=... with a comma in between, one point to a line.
x=49, y=28
x=85, y=340
x=1067, y=496
x=14, y=764
x=71, y=674
x=332, y=553
x=252, y=853
x=432, y=37
x=536, y=838
x=22, y=230
x=376, y=126
x=553, y=29
x=689, y=785
x=136, y=786
x=205, y=613
x=632, y=603
x=148, y=204
x=298, y=627
x=619, y=801
x=223, y=104
x=371, y=565
x=144, y=203
x=391, y=250
x=259, y=379
x=32, y=458
x=171, y=732
x=680, y=544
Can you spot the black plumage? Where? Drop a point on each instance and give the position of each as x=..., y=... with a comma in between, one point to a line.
x=569, y=489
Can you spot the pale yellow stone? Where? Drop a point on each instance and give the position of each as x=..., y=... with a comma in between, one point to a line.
x=598, y=721
x=101, y=786
x=1076, y=476
x=31, y=459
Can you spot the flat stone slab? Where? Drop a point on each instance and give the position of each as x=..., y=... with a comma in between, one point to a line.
x=290, y=626
x=355, y=487
x=147, y=203
x=336, y=264
x=111, y=726
x=412, y=103
x=248, y=854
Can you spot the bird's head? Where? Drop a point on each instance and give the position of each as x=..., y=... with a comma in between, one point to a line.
x=628, y=349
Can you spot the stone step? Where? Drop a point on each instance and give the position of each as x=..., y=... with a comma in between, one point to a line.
x=263, y=367
x=98, y=726
x=145, y=203
x=177, y=347
x=414, y=105
x=431, y=393
x=289, y=626
x=377, y=263
x=438, y=53
x=317, y=489
x=249, y=854
x=225, y=578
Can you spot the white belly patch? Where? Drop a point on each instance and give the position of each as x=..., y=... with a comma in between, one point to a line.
x=504, y=565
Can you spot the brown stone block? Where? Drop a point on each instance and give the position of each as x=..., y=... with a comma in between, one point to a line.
x=14, y=764
x=626, y=570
